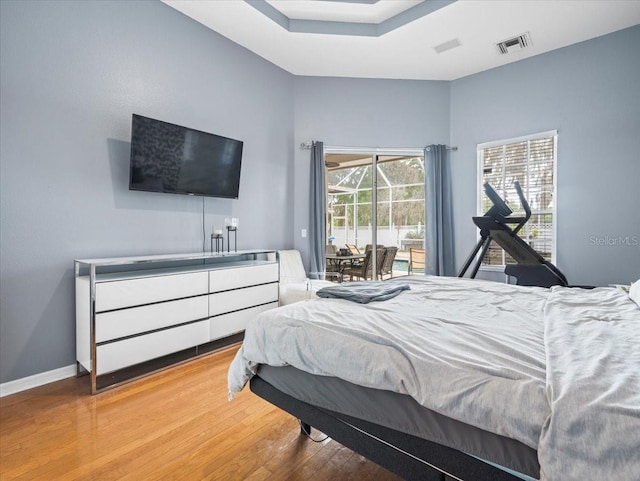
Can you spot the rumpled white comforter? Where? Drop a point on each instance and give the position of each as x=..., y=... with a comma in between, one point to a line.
x=499, y=357
x=592, y=342
x=471, y=350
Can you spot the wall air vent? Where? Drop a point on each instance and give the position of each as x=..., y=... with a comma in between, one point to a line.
x=514, y=44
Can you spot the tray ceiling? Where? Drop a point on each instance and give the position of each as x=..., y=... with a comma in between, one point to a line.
x=405, y=39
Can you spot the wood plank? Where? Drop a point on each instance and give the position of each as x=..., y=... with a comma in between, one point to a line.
x=175, y=424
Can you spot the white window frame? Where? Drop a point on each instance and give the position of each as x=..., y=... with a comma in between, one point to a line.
x=554, y=210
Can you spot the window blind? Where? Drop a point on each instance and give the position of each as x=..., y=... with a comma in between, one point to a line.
x=532, y=162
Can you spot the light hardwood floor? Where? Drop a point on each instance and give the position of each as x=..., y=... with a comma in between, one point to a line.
x=176, y=424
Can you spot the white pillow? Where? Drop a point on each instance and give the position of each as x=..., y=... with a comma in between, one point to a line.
x=634, y=292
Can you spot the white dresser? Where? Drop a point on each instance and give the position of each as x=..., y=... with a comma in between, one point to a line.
x=136, y=315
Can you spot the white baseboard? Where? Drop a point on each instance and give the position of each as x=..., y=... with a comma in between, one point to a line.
x=36, y=380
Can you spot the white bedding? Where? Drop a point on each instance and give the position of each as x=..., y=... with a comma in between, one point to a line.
x=471, y=350
x=592, y=341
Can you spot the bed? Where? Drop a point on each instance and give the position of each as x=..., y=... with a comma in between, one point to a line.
x=461, y=379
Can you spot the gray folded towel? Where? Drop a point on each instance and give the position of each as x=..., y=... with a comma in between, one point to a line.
x=363, y=292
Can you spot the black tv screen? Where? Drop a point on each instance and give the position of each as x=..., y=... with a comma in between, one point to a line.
x=178, y=160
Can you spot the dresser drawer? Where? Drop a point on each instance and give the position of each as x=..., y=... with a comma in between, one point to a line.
x=233, y=322
x=120, y=354
x=223, y=302
x=136, y=320
x=136, y=292
x=225, y=279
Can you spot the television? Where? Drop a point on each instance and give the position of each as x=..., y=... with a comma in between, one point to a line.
x=179, y=160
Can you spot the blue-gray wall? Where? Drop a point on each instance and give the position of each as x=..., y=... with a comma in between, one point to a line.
x=590, y=93
x=72, y=74
x=363, y=113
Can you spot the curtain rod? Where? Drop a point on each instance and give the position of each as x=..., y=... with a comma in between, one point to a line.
x=307, y=146
x=428, y=149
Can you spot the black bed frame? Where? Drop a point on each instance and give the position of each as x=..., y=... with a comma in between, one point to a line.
x=408, y=456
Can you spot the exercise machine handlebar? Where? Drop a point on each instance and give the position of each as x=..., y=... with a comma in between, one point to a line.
x=532, y=268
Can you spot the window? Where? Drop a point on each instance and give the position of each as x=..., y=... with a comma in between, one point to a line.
x=531, y=161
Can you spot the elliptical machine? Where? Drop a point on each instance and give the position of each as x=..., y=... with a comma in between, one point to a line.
x=531, y=268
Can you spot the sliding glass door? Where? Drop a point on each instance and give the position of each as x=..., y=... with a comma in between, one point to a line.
x=376, y=198
x=400, y=209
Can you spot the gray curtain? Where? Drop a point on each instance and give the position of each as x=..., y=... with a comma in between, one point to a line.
x=438, y=232
x=317, y=213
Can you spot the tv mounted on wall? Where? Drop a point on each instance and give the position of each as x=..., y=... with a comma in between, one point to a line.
x=179, y=160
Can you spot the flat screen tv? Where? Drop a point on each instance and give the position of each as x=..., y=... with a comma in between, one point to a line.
x=179, y=160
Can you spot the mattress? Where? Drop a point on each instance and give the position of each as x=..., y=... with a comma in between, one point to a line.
x=402, y=413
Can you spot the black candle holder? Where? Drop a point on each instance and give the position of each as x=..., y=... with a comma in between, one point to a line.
x=219, y=243
x=234, y=229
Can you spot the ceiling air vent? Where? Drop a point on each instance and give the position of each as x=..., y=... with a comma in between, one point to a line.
x=514, y=44
x=448, y=45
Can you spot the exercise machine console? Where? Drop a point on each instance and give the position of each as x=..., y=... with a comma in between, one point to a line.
x=531, y=268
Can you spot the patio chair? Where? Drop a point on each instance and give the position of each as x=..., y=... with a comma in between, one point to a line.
x=416, y=260
x=368, y=247
x=352, y=248
x=387, y=263
x=295, y=286
x=332, y=267
x=365, y=270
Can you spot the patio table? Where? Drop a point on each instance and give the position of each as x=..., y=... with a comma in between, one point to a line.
x=342, y=261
